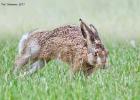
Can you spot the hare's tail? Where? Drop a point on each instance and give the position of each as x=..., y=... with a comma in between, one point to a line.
x=22, y=42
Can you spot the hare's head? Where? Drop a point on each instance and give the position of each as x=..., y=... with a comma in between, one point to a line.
x=97, y=54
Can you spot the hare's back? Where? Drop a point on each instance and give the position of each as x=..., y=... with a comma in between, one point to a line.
x=65, y=40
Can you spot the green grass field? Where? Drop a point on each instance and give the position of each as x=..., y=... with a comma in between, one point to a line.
x=118, y=23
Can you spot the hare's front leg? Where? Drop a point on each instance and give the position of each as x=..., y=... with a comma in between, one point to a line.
x=76, y=66
x=89, y=70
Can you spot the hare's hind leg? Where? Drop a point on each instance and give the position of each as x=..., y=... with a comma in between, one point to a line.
x=29, y=54
x=35, y=66
x=20, y=61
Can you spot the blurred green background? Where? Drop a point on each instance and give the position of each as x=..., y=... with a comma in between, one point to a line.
x=119, y=18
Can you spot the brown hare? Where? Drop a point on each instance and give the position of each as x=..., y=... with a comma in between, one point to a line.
x=79, y=46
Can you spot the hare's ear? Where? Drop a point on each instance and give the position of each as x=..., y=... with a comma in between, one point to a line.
x=95, y=32
x=89, y=36
x=83, y=29
x=86, y=32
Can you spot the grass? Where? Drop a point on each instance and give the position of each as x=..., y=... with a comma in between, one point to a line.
x=117, y=22
x=121, y=80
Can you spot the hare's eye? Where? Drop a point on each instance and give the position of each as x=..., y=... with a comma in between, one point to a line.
x=98, y=46
x=95, y=54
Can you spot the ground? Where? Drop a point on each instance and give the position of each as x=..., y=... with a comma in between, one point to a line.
x=121, y=80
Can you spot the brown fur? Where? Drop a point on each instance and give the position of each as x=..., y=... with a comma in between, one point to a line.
x=66, y=43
